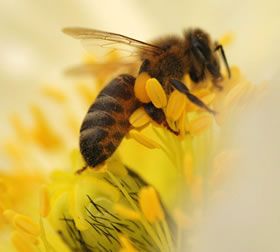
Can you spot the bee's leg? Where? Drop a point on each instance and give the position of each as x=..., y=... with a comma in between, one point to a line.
x=221, y=49
x=78, y=172
x=183, y=89
x=144, y=67
x=158, y=116
x=216, y=83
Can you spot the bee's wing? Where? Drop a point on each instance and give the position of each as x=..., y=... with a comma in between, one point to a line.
x=102, y=69
x=91, y=38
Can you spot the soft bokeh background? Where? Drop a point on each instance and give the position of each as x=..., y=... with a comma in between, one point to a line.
x=33, y=51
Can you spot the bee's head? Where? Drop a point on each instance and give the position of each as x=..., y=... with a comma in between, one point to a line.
x=202, y=55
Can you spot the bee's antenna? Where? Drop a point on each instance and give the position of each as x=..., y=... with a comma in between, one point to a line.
x=220, y=47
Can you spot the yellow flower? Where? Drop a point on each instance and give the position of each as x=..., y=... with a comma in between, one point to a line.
x=112, y=203
x=111, y=207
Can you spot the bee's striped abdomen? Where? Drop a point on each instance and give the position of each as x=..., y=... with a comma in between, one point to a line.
x=106, y=122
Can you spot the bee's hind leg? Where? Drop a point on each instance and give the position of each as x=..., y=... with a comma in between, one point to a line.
x=181, y=87
x=158, y=116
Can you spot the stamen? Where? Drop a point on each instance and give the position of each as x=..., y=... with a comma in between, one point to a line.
x=89, y=58
x=75, y=211
x=87, y=93
x=227, y=39
x=196, y=189
x=126, y=212
x=9, y=215
x=126, y=245
x=54, y=93
x=150, y=205
x=188, y=168
x=176, y=105
x=200, y=124
x=234, y=95
x=139, y=118
x=19, y=127
x=44, y=201
x=182, y=220
x=222, y=165
x=21, y=243
x=43, y=133
x=182, y=124
x=156, y=93
x=26, y=224
x=140, y=87
x=140, y=138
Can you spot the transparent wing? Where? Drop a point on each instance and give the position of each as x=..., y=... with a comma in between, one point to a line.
x=92, y=38
x=103, y=69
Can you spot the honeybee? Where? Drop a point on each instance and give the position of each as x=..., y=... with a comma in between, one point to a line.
x=167, y=59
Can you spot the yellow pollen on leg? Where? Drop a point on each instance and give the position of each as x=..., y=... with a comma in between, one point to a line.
x=26, y=224
x=44, y=201
x=139, y=87
x=156, y=93
x=139, y=118
x=150, y=204
x=140, y=138
x=175, y=106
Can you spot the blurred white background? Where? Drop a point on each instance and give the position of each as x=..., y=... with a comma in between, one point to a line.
x=33, y=51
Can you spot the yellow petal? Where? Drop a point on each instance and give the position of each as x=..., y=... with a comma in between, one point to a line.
x=140, y=138
x=139, y=118
x=156, y=93
x=176, y=105
x=139, y=87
